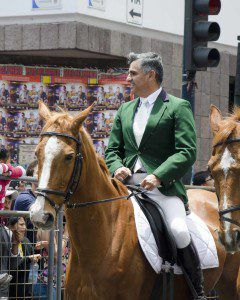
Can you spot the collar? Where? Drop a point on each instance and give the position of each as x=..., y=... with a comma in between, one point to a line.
x=152, y=97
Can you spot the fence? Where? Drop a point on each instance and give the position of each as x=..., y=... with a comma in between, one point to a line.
x=31, y=280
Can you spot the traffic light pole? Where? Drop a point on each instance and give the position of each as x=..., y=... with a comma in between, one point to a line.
x=237, y=81
x=188, y=82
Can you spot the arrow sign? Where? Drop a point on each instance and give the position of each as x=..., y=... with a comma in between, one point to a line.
x=135, y=14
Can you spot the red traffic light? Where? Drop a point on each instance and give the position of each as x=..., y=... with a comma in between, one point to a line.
x=207, y=7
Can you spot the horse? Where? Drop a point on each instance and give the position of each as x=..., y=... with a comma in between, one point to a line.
x=106, y=261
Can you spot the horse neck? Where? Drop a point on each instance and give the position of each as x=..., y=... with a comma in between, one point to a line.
x=94, y=227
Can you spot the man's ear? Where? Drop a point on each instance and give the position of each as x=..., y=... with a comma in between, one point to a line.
x=215, y=118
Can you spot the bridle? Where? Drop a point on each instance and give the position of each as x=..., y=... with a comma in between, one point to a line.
x=231, y=208
x=73, y=184
x=77, y=170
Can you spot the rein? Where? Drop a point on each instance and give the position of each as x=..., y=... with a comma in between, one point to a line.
x=232, y=208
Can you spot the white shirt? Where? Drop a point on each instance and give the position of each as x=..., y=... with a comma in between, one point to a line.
x=141, y=119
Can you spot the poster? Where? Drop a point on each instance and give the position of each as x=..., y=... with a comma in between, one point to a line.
x=46, y=4
x=20, y=124
x=97, y=4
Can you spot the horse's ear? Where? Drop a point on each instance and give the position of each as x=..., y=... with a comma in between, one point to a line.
x=215, y=118
x=80, y=118
x=44, y=111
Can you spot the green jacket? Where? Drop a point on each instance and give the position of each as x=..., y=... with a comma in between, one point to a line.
x=167, y=148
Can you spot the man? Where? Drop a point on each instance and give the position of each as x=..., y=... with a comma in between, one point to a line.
x=203, y=178
x=153, y=142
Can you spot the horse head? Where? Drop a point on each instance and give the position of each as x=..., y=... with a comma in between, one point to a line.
x=59, y=163
x=224, y=166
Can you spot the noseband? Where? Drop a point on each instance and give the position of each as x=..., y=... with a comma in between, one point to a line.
x=232, y=208
x=73, y=183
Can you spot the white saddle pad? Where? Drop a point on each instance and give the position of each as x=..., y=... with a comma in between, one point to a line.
x=200, y=233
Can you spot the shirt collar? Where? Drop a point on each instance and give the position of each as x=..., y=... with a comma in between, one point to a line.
x=152, y=97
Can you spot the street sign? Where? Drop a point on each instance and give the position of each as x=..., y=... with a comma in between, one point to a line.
x=135, y=11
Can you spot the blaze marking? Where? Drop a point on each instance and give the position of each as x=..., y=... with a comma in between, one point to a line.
x=226, y=162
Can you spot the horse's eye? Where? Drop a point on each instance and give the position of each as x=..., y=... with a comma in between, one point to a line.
x=69, y=157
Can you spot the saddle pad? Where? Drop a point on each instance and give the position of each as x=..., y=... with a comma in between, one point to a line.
x=200, y=233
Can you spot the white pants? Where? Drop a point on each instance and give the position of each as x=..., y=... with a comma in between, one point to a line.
x=174, y=211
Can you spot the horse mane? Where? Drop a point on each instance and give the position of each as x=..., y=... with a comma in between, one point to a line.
x=228, y=125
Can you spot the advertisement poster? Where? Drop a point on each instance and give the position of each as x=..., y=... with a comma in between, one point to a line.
x=46, y=4
x=20, y=124
x=97, y=4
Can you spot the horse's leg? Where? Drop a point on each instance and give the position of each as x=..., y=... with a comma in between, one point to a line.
x=227, y=284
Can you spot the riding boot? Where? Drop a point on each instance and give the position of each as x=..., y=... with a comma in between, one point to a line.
x=189, y=259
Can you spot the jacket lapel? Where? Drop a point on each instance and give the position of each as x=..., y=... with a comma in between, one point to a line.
x=155, y=116
x=130, y=117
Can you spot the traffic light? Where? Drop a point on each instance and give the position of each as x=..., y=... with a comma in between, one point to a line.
x=198, y=32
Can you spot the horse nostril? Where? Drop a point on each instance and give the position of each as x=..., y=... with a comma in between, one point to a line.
x=49, y=220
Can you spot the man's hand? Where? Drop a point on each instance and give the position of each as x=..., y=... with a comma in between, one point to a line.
x=41, y=245
x=150, y=182
x=35, y=257
x=122, y=173
x=6, y=174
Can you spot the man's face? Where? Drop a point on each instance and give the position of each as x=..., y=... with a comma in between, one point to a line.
x=137, y=78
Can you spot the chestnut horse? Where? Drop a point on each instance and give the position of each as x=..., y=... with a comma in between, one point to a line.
x=106, y=261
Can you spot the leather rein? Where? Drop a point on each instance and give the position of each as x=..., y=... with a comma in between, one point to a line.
x=231, y=208
x=75, y=178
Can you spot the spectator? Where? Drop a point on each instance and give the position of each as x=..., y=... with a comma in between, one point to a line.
x=7, y=170
x=203, y=178
x=26, y=198
x=19, y=287
x=10, y=198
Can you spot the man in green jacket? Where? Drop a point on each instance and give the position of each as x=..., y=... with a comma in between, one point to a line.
x=153, y=142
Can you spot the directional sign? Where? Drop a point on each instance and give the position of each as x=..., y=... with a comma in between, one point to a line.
x=135, y=11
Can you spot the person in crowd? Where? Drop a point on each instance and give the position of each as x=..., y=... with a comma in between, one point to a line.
x=40, y=289
x=9, y=171
x=19, y=286
x=153, y=143
x=26, y=198
x=4, y=93
x=203, y=178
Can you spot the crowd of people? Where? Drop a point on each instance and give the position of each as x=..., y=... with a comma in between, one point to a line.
x=24, y=249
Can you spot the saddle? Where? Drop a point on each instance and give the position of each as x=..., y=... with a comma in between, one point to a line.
x=164, y=239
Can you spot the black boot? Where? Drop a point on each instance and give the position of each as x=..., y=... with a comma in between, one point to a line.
x=189, y=259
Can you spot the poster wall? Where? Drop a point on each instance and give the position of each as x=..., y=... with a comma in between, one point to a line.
x=72, y=90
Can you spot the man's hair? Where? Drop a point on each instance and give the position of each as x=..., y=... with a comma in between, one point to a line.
x=148, y=61
x=31, y=167
x=199, y=178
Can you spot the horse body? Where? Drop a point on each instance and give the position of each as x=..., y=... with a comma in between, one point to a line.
x=106, y=261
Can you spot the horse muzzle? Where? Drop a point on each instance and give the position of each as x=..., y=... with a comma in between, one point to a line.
x=40, y=218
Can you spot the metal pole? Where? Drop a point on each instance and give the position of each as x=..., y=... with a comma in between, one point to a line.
x=188, y=81
x=237, y=80
x=50, y=265
x=59, y=253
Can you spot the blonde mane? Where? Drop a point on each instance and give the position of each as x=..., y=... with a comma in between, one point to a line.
x=227, y=126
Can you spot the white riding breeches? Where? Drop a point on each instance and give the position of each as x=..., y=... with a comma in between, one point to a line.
x=175, y=214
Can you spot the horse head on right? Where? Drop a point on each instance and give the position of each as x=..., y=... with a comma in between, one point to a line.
x=224, y=166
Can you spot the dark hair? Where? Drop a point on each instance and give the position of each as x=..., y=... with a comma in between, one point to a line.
x=199, y=178
x=4, y=154
x=13, y=220
x=31, y=167
x=149, y=61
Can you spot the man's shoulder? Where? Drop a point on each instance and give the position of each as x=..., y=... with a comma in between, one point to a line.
x=176, y=103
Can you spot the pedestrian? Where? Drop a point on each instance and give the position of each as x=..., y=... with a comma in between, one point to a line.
x=6, y=169
x=203, y=178
x=153, y=142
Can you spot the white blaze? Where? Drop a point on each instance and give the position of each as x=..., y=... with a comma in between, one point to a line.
x=226, y=162
x=52, y=149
